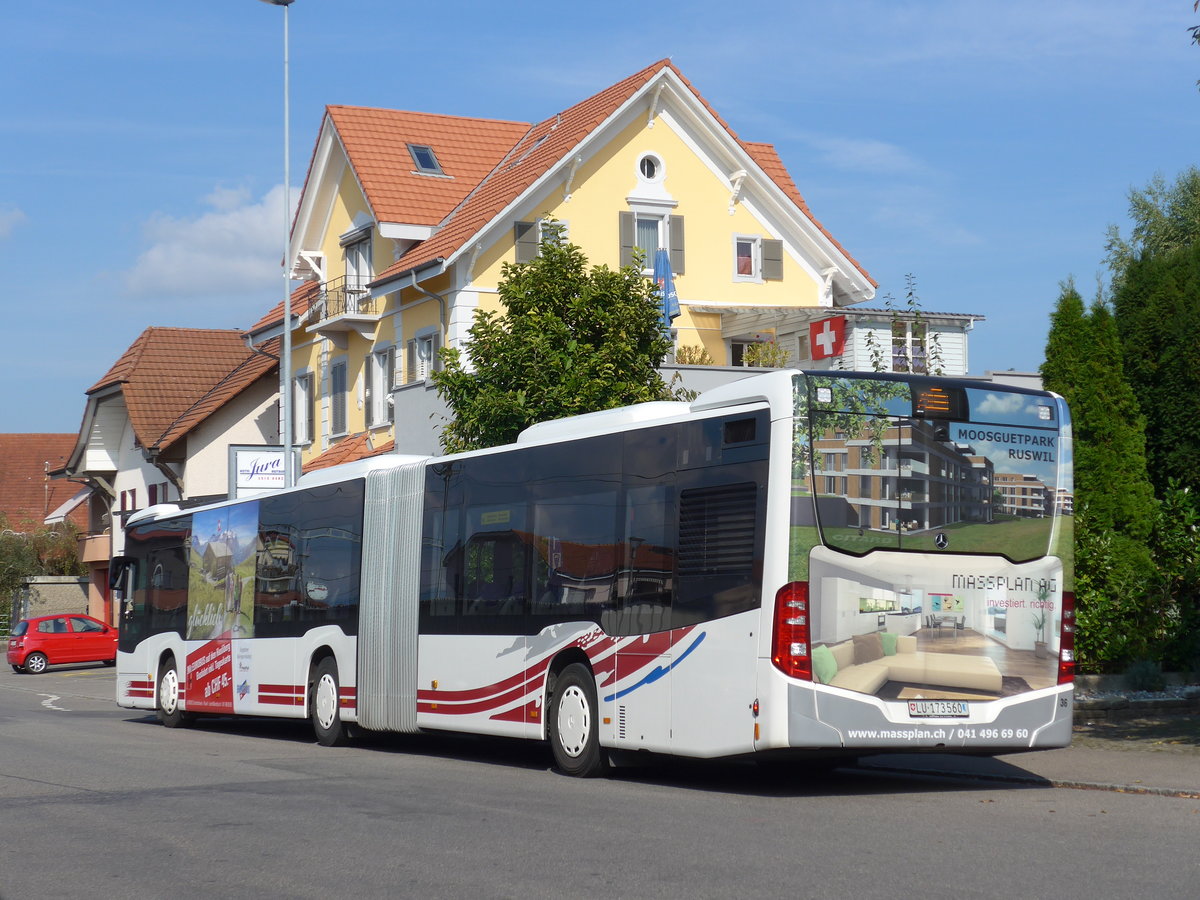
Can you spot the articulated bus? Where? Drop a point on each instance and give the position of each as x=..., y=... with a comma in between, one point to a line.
x=809, y=565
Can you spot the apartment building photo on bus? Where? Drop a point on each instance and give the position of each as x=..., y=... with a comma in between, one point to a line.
x=910, y=478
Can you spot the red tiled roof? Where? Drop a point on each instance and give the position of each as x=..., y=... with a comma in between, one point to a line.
x=252, y=368
x=547, y=143
x=376, y=141
x=356, y=447
x=167, y=371
x=26, y=495
x=532, y=156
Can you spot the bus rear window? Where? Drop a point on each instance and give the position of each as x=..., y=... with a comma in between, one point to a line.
x=932, y=467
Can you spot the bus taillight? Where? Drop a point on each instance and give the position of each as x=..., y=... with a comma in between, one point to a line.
x=1066, y=640
x=789, y=646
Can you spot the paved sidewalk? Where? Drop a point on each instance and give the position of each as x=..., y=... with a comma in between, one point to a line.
x=1117, y=760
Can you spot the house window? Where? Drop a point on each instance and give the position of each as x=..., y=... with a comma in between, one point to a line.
x=737, y=352
x=337, y=398
x=908, y=347
x=358, y=271
x=425, y=160
x=158, y=493
x=380, y=377
x=304, y=409
x=650, y=168
x=647, y=231
x=757, y=259
x=129, y=500
x=649, y=235
x=747, y=258
x=422, y=355
x=803, y=348
x=528, y=237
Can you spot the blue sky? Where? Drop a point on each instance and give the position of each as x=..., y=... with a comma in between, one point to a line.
x=982, y=147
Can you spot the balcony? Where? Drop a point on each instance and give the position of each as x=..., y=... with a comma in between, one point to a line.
x=344, y=305
x=95, y=548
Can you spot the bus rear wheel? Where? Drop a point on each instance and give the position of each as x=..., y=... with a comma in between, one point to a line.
x=574, y=724
x=323, y=707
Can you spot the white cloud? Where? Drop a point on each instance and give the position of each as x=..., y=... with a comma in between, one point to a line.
x=10, y=218
x=920, y=215
x=1002, y=404
x=234, y=248
x=871, y=156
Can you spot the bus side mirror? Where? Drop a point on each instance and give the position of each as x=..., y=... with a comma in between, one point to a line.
x=120, y=574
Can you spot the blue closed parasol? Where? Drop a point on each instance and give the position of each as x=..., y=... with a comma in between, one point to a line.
x=666, y=288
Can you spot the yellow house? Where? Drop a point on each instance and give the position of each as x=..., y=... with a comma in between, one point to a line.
x=406, y=219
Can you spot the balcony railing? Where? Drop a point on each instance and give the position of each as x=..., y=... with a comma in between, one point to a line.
x=347, y=296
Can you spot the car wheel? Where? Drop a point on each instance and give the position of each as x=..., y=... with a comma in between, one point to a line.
x=109, y=662
x=18, y=670
x=168, y=706
x=36, y=663
x=574, y=724
x=323, y=707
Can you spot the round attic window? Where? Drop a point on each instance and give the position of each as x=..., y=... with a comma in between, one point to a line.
x=650, y=167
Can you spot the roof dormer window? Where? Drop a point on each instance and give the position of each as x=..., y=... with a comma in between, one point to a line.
x=425, y=160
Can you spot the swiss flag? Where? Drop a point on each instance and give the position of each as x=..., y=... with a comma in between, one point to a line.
x=827, y=337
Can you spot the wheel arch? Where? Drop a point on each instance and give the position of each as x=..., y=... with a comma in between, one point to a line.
x=319, y=654
x=562, y=659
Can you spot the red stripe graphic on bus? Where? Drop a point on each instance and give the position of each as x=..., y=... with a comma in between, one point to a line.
x=294, y=695
x=140, y=688
x=281, y=694
x=498, y=696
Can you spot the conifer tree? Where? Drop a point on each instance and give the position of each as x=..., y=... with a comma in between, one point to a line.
x=1114, y=503
x=1158, y=316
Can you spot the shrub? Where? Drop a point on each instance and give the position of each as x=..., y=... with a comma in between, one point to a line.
x=689, y=355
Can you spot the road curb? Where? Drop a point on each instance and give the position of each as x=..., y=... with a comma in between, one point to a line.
x=1036, y=781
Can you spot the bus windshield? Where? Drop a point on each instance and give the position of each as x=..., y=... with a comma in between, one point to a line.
x=915, y=464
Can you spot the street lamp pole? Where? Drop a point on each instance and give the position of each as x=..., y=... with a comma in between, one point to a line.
x=285, y=354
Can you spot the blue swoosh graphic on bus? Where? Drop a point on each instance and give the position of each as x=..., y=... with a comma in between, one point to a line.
x=657, y=672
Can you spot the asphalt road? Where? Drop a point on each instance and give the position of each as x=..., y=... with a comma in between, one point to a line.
x=98, y=801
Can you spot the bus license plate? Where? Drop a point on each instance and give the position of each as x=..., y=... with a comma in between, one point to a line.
x=929, y=709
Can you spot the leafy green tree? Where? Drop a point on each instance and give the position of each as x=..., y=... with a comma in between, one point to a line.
x=570, y=340
x=1158, y=314
x=1165, y=218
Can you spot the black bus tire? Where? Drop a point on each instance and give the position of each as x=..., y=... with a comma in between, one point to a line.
x=167, y=696
x=323, y=706
x=575, y=724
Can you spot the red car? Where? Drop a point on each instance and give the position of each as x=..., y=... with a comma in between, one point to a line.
x=36, y=643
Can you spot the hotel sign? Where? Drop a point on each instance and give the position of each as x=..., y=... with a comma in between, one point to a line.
x=253, y=470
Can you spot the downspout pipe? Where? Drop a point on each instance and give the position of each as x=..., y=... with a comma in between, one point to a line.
x=438, y=297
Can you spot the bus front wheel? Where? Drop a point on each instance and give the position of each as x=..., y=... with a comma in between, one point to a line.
x=574, y=724
x=323, y=705
x=169, y=710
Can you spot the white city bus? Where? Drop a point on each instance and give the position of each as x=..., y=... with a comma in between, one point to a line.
x=796, y=564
